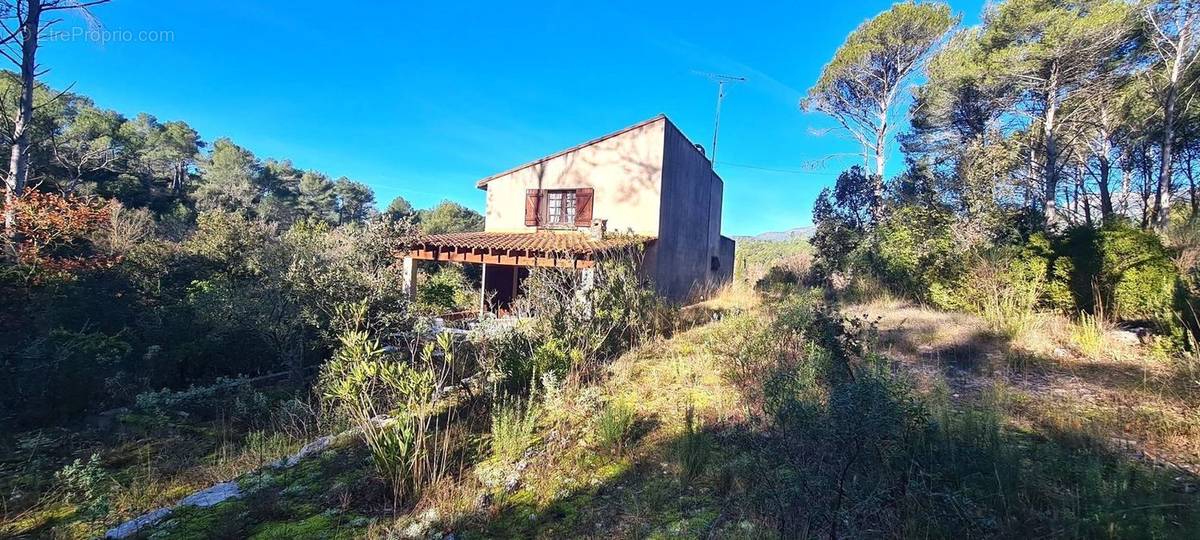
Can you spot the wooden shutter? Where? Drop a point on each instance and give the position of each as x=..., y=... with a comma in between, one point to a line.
x=583, y=207
x=532, y=207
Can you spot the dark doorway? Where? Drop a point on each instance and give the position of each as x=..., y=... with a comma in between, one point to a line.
x=503, y=285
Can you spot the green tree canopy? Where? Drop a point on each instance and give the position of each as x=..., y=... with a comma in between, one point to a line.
x=317, y=198
x=400, y=208
x=355, y=200
x=862, y=85
x=229, y=178
x=449, y=217
x=88, y=143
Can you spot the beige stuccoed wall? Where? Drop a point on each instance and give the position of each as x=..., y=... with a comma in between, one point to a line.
x=625, y=171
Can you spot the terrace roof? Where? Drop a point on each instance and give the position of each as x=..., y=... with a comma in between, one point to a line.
x=563, y=249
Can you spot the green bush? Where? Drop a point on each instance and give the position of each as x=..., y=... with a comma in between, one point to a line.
x=553, y=356
x=446, y=290
x=235, y=399
x=86, y=485
x=617, y=311
x=1119, y=268
x=507, y=353
x=778, y=280
x=842, y=421
x=912, y=251
x=64, y=373
x=849, y=457
x=519, y=357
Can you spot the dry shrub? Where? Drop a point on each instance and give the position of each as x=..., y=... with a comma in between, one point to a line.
x=616, y=311
x=1005, y=293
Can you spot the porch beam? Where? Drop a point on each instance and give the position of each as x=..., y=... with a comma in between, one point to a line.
x=525, y=258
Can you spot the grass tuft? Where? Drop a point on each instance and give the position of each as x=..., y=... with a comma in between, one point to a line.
x=1088, y=335
x=693, y=450
x=614, y=424
x=512, y=429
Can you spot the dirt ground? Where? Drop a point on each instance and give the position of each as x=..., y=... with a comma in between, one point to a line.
x=1143, y=402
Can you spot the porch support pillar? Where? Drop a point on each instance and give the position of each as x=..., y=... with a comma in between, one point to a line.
x=587, y=282
x=483, y=289
x=587, y=279
x=408, y=273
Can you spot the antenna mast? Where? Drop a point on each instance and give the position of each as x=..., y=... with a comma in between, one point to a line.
x=721, y=81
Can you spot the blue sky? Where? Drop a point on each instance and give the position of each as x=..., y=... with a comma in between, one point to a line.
x=420, y=99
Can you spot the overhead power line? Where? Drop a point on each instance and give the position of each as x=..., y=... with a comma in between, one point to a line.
x=774, y=169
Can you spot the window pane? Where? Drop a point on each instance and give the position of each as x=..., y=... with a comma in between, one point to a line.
x=560, y=207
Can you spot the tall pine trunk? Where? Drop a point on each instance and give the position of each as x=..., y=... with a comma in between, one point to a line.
x=880, y=159
x=1082, y=198
x=18, y=162
x=1106, y=205
x=1050, y=169
x=1191, y=190
x=1162, y=196
x=1105, y=167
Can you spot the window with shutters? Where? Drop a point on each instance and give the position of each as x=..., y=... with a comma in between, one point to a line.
x=560, y=207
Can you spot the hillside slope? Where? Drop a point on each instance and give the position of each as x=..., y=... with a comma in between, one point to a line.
x=780, y=420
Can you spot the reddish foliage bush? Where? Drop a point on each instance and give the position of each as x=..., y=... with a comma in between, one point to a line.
x=54, y=234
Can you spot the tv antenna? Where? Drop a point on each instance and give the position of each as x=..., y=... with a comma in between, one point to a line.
x=721, y=81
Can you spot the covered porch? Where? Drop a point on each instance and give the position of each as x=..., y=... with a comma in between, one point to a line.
x=506, y=258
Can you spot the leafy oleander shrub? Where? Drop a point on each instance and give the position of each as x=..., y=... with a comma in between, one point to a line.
x=392, y=402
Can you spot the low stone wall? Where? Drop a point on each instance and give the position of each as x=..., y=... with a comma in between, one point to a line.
x=224, y=491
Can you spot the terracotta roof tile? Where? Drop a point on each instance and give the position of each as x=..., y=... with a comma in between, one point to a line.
x=541, y=241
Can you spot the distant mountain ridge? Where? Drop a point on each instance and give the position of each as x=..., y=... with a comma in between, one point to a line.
x=781, y=236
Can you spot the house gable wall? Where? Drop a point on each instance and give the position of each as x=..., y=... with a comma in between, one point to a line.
x=625, y=170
